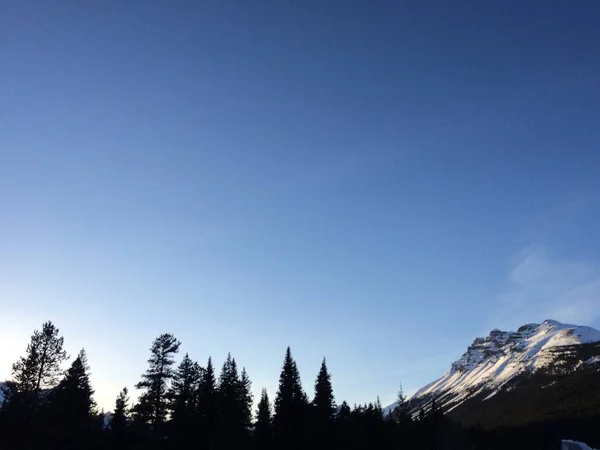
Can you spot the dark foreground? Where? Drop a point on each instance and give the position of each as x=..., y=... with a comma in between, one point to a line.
x=189, y=406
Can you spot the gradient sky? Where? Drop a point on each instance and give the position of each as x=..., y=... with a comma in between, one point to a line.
x=374, y=182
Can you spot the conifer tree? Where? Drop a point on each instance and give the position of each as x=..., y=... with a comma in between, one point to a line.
x=118, y=423
x=290, y=406
x=343, y=424
x=370, y=410
x=357, y=415
x=229, y=412
x=263, y=428
x=72, y=399
x=378, y=410
x=183, y=393
x=72, y=410
x=153, y=402
x=186, y=382
x=324, y=401
x=245, y=399
x=39, y=369
x=401, y=412
x=235, y=403
x=323, y=409
x=207, y=406
x=401, y=397
x=344, y=412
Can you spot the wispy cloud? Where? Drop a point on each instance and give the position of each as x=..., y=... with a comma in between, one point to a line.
x=541, y=286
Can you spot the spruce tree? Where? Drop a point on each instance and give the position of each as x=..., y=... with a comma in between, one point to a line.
x=39, y=369
x=153, y=402
x=245, y=399
x=263, y=428
x=182, y=394
x=120, y=417
x=207, y=407
x=290, y=406
x=344, y=412
x=229, y=413
x=372, y=425
x=324, y=402
x=323, y=409
x=343, y=424
x=378, y=410
x=235, y=403
x=72, y=407
x=370, y=411
x=401, y=413
x=73, y=395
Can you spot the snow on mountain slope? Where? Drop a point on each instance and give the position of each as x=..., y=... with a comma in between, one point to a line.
x=567, y=444
x=491, y=362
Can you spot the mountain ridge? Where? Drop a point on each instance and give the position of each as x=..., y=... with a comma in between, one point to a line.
x=491, y=363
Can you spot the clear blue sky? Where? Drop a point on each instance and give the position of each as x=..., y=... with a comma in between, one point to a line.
x=375, y=182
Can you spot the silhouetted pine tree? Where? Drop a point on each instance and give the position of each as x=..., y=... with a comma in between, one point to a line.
x=207, y=408
x=25, y=394
x=72, y=408
x=401, y=399
x=263, y=427
x=344, y=412
x=363, y=427
x=72, y=398
x=141, y=414
x=323, y=409
x=39, y=369
x=229, y=392
x=153, y=402
x=291, y=407
x=246, y=400
x=120, y=416
x=324, y=401
x=182, y=396
x=356, y=429
x=378, y=409
x=401, y=413
x=235, y=402
x=343, y=427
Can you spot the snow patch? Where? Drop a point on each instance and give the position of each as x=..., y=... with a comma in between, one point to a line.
x=594, y=360
x=491, y=362
x=490, y=396
x=574, y=445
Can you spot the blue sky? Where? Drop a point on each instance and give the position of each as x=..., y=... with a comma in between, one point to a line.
x=374, y=182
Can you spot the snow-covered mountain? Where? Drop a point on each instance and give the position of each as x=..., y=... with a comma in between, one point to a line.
x=490, y=363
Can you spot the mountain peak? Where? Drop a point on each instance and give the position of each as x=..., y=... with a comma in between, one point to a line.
x=551, y=322
x=492, y=361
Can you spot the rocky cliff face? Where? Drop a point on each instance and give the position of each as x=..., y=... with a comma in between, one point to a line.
x=492, y=362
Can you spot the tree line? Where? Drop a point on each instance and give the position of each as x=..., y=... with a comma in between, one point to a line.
x=189, y=405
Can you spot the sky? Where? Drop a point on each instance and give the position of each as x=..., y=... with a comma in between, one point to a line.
x=376, y=183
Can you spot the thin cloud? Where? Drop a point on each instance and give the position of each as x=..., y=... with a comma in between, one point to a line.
x=541, y=286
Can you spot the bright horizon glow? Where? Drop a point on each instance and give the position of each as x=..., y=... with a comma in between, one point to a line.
x=377, y=184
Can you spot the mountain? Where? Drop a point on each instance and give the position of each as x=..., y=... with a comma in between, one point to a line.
x=501, y=360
